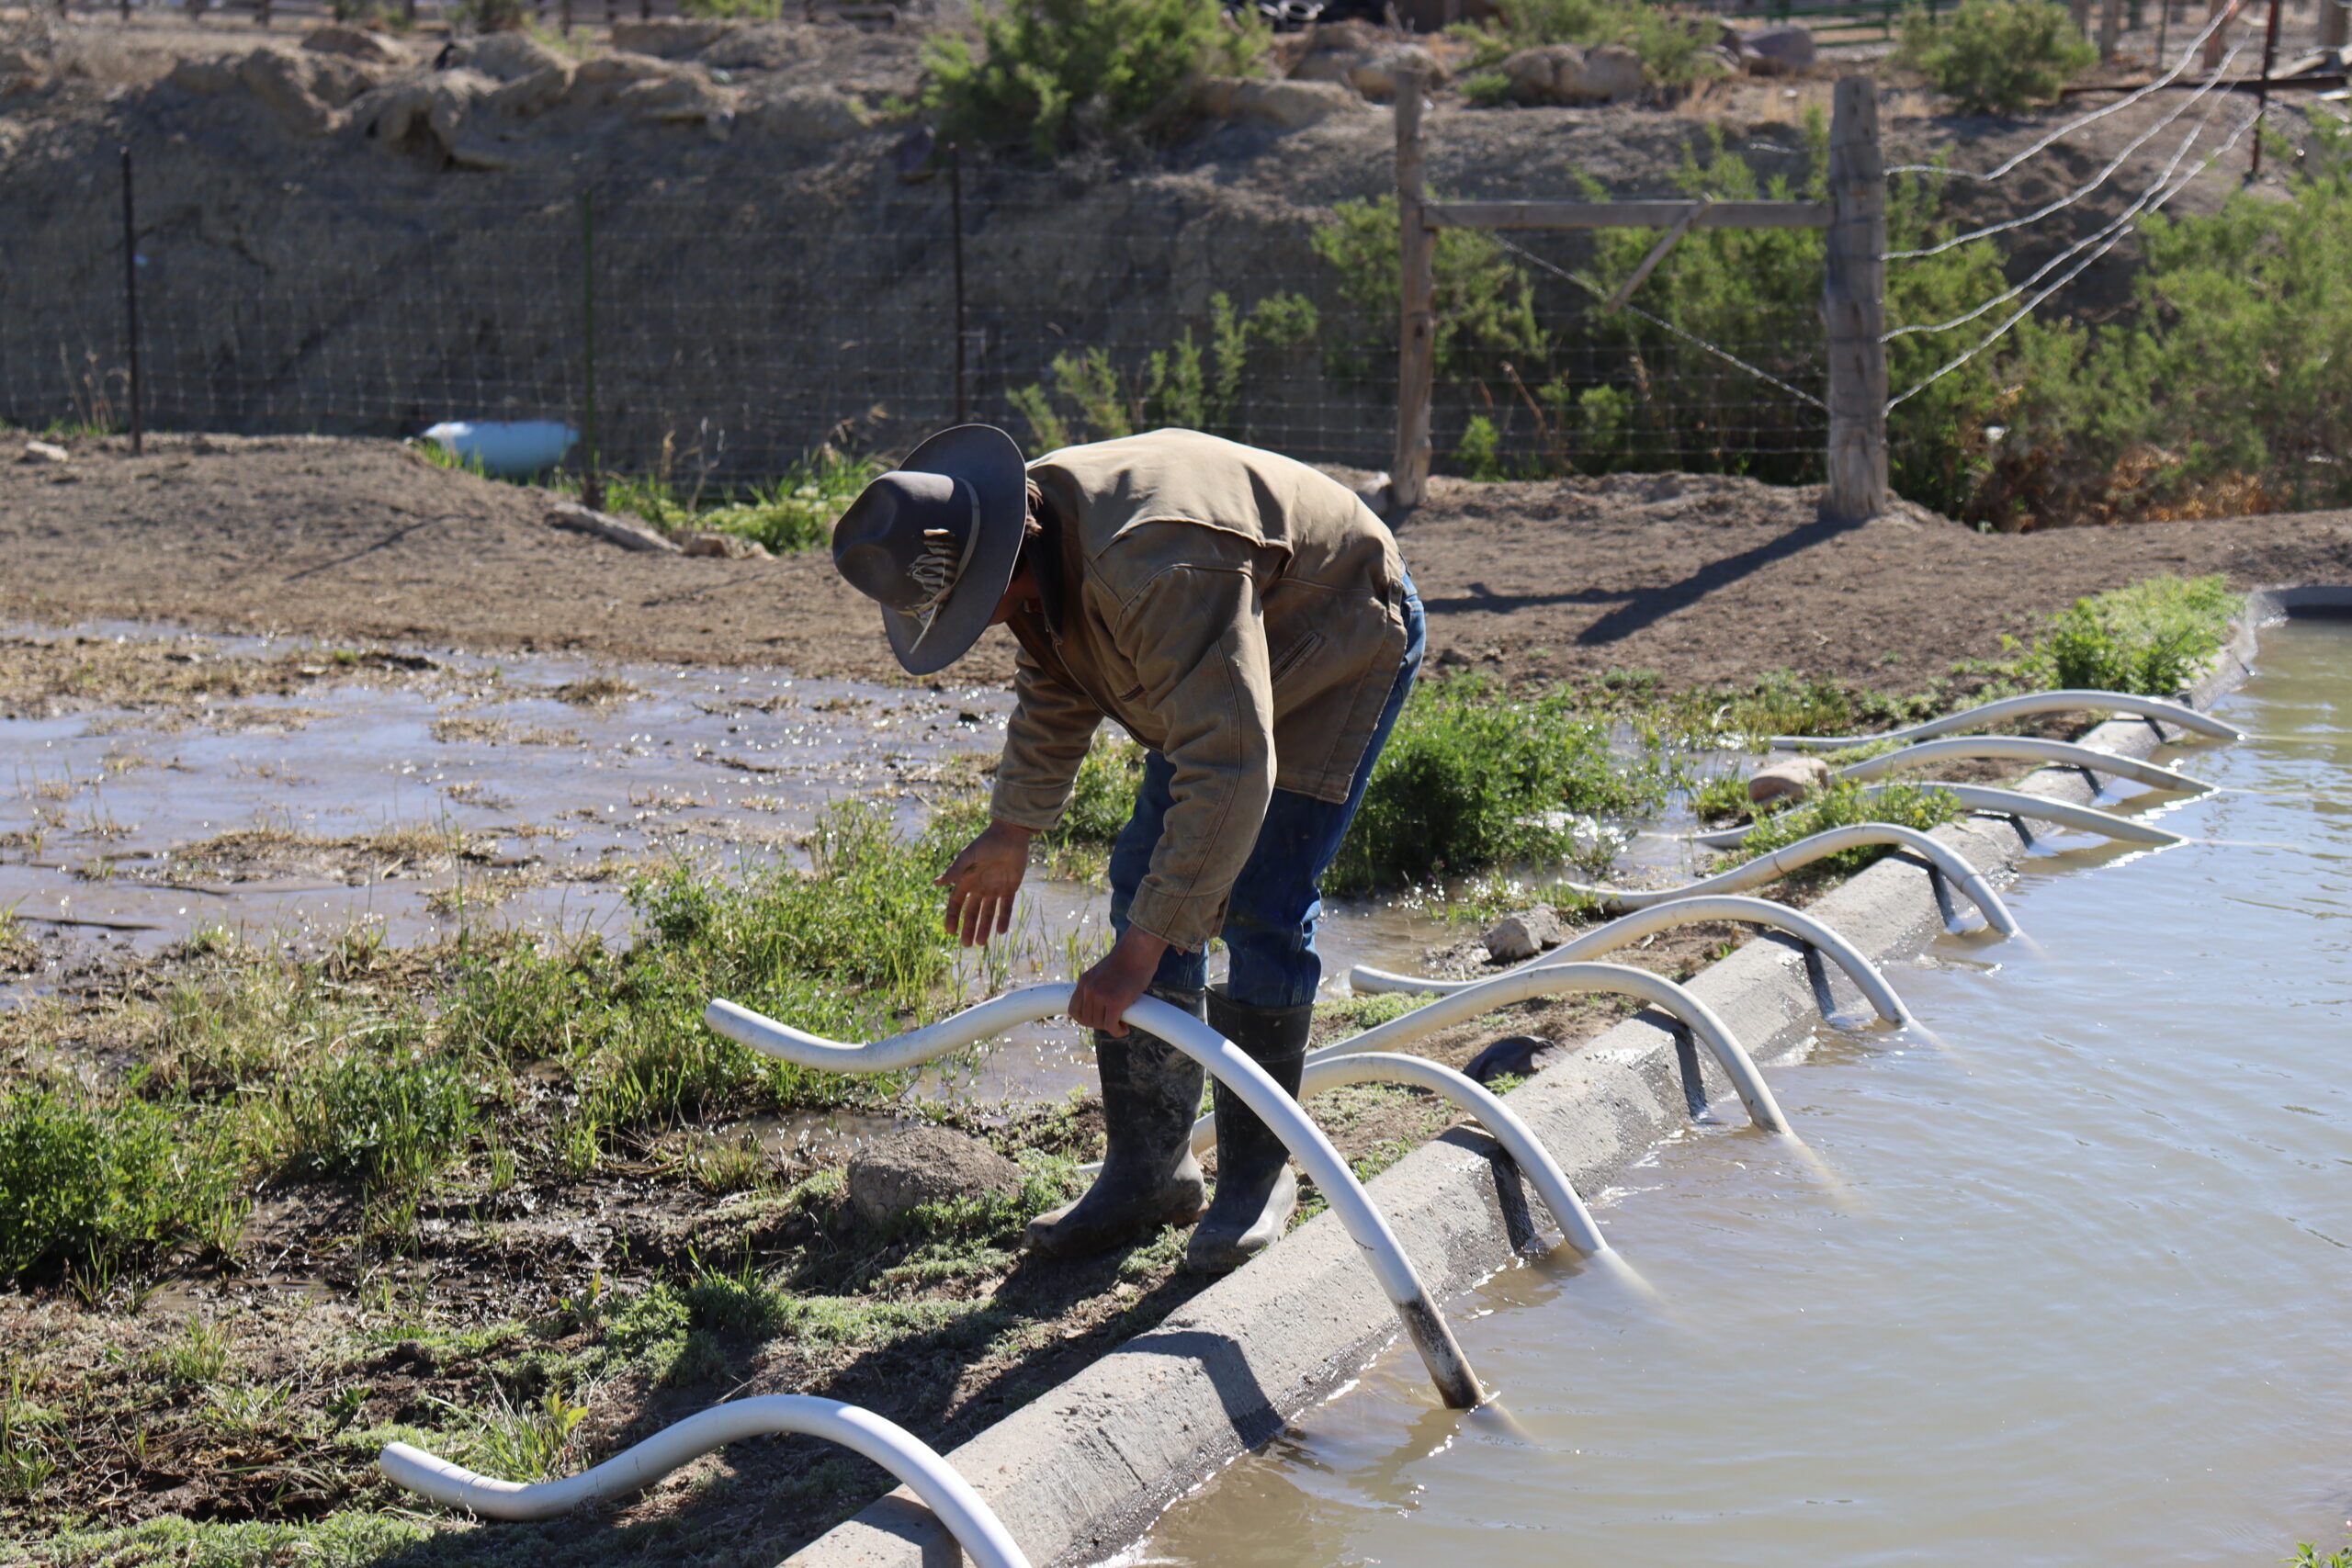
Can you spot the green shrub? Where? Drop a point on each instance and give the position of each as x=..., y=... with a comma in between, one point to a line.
x=1472, y=778
x=1997, y=56
x=1844, y=804
x=1104, y=796
x=1060, y=74
x=2152, y=638
x=1190, y=386
x=1484, y=301
x=89, y=1187
x=1674, y=50
x=2227, y=391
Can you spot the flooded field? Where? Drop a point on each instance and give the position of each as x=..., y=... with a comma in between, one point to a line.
x=420, y=795
x=2081, y=1299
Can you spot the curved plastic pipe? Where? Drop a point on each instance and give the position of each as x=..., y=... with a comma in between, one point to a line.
x=2069, y=701
x=2025, y=749
x=1469, y=1096
x=1804, y=851
x=1456, y=1384
x=1552, y=980
x=2004, y=803
x=974, y=1525
x=1629, y=928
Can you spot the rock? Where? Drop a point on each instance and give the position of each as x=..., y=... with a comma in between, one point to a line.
x=206, y=76
x=1790, y=781
x=534, y=94
x=506, y=57
x=434, y=108
x=809, y=113
x=728, y=546
x=1289, y=104
x=44, y=452
x=1564, y=74
x=628, y=534
x=1376, y=77
x=1356, y=54
x=1774, y=51
x=283, y=79
x=1516, y=938
x=355, y=43
x=680, y=99
x=669, y=38
x=929, y=1165
x=1514, y=1055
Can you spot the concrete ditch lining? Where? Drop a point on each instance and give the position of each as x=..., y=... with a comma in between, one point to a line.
x=1086, y=1467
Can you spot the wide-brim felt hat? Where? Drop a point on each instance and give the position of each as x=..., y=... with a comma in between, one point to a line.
x=935, y=542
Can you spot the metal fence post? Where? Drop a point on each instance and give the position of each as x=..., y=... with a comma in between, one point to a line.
x=1417, y=302
x=131, y=309
x=1854, y=303
x=591, y=477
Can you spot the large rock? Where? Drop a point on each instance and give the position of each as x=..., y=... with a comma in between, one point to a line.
x=506, y=57
x=288, y=83
x=1357, y=55
x=1516, y=938
x=929, y=1165
x=669, y=38
x=1774, y=51
x=534, y=94
x=1792, y=780
x=208, y=76
x=1289, y=104
x=685, y=98
x=1564, y=74
x=434, y=109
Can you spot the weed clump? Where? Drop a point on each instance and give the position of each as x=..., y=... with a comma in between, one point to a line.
x=1472, y=778
x=1060, y=74
x=2150, y=637
x=1997, y=56
x=1844, y=804
x=89, y=1187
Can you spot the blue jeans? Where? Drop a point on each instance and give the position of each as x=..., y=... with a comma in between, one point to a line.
x=1277, y=900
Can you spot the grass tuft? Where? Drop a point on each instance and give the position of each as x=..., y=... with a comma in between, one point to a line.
x=1843, y=804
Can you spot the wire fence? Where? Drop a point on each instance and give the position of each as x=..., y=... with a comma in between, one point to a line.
x=735, y=334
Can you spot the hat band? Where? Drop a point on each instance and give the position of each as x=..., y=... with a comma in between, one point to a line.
x=941, y=565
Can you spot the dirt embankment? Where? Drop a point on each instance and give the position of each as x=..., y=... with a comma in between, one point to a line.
x=1699, y=578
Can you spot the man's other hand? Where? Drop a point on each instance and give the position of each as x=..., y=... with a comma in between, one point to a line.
x=982, y=881
x=1106, y=991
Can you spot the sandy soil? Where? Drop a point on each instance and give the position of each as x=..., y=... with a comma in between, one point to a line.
x=1699, y=579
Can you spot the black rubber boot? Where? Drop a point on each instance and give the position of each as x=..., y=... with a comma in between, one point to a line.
x=1255, y=1190
x=1151, y=1094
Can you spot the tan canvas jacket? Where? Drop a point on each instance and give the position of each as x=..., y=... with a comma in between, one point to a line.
x=1239, y=611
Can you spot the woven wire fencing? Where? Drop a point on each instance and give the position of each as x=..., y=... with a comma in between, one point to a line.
x=732, y=337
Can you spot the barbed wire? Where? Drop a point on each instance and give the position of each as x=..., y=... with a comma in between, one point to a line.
x=1693, y=339
x=2120, y=222
x=2010, y=165
x=2035, y=303
x=2097, y=180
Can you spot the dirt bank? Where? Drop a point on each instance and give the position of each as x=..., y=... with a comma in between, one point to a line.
x=1698, y=579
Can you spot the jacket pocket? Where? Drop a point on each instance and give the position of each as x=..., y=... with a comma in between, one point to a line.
x=1293, y=656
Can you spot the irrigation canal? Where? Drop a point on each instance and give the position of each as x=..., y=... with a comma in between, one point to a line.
x=2080, y=1292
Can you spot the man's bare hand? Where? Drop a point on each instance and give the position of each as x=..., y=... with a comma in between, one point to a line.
x=981, y=883
x=1106, y=991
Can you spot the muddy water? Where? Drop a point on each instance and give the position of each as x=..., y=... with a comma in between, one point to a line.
x=2086, y=1299
x=557, y=803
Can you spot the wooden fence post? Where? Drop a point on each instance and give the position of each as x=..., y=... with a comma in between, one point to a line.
x=2111, y=27
x=1854, y=303
x=2333, y=17
x=2221, y=35
x=1416, y=300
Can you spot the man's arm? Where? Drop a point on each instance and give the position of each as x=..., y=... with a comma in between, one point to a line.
x=1051, y=725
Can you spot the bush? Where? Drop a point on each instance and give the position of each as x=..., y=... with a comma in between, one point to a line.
x=2229, y=391
x=1484, y=301
x=1188, y=386
x=1997, y=56
x=1675, y=50
x=1060, y=73
x=1471, y=779
x=1844, y=804
x=2151, y=638
x=87, y=1187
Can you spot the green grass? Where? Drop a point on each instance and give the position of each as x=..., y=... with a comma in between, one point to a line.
x=795, y=511
x=1843, y=804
